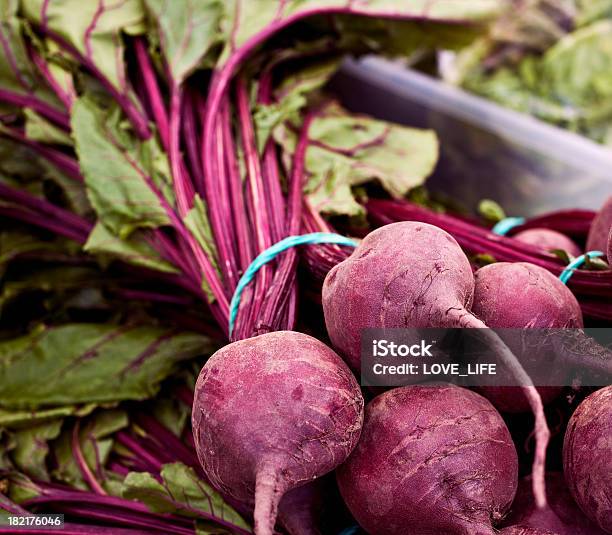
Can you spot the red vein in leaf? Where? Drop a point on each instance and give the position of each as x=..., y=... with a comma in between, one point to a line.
x=137, y=118
x=67, y=98
x=149, y=351
x=82, y=463
x=90, y=28
x=202, y=261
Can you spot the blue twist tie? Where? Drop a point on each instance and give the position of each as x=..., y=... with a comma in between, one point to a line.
x=349, y=531
x=507, y=224
x=575, y=264
x=271, y=253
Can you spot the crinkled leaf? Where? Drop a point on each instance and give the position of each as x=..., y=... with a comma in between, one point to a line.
x=186, y=31
x=22, y=488
x=348, y=150
x=32, y=448
x=120, y=171
x=548, y=61
x=246, y=19
x=17, y=73
x=291, y=97
x=75, y=193
x=37, y=128
x=133, y=250
x=592, y=10
x=578, y=69
x=202, y=527
x=14, y=243
x=182, y=492
x=90, y=363
x=96, y=442
x=93, y=28
x=172, y=413
x=18, y=162
x=20, y=419
x=61, y=280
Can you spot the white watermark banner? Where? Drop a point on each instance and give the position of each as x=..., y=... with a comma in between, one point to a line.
x=487, y=357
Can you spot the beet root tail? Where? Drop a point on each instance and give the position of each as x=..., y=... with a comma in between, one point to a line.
x=268, y=493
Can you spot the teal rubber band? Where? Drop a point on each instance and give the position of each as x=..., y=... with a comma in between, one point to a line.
x=349, y=531
x=507, y=224
x=575, y=264
x=271, y=253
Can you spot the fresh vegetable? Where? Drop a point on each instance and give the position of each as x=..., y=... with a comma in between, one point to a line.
x=593, y=288
x=200, y=130
x=425, y=460
x=587, y=461
x=413, y=275
x=597, y=239
x=610, y=248
x=562, y=516
x=271, y=413
x=529, y=59
x=545, y=303
x=548, y=240
x=299, y=511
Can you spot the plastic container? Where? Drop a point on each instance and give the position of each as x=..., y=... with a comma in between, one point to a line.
x=487, y=151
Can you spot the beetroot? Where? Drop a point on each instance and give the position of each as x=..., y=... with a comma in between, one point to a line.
x=562, y=516
x=522, y=295
x=300, y=509
x=548, y=240
x=599, y=232
x=587, y=457
x=609, y=250
x=434, y=459
x=414, y=275
x=271, y=413
x=401, y=275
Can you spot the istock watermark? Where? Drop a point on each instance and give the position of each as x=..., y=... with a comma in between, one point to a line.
x=472, y=357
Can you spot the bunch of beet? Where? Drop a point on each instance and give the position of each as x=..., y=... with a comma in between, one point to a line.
x=274, y=413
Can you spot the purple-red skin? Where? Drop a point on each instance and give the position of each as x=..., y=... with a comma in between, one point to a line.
x=271, y=413
x=599, y=232
x=300, y=509
x=522, y=295
x=587, y=457
x=406, y=274
x=548, y=240
x=562, y=516
x=609, y=252
x=525, y=530
x=434, y=459
x=415, y=275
